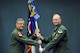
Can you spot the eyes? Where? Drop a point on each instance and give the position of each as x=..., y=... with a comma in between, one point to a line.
x=20, y=23
x=54, y=19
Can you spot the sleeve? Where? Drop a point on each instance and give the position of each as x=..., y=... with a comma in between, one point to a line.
x=56, y=39
x=46, y=40
x=24, y=39
x=32, y=36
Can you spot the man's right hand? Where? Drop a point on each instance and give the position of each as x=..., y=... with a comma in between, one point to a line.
x=39, y=42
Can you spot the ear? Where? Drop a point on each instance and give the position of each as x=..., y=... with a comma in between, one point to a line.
x=60, y=20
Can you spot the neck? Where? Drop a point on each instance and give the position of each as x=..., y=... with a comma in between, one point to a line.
x=19, y=29
x=57, y=25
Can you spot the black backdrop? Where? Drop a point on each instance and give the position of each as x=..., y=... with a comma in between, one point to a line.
x=10, y=10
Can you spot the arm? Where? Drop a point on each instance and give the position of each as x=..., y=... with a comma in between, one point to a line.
x=55, y=40
x=46, y=40
x=25, y=39
x=32, y=36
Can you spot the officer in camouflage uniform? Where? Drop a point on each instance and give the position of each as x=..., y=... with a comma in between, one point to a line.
x=59, y=38
x=18, y=39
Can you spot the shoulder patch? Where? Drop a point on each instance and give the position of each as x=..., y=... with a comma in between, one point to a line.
x=60, y=31
x=19, y=34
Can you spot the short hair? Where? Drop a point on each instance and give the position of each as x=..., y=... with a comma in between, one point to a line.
x=20, y=19
x=57, y=14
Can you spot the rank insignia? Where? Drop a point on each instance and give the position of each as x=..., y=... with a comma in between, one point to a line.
x=54, y=33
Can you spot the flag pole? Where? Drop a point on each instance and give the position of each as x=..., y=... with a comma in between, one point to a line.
x=36, y=23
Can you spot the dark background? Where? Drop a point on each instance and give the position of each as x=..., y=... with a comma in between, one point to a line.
x=10, y=10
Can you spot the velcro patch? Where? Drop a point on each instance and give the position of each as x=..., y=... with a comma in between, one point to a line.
x=60, y=31
x=19, y=34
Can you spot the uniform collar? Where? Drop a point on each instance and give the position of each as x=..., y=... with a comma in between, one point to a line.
x=57, y=27
x=18, y=29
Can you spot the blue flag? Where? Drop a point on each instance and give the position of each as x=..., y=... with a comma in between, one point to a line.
x=33, y=11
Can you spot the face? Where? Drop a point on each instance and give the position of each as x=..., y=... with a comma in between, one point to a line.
x=20, y=24
x=56, y=20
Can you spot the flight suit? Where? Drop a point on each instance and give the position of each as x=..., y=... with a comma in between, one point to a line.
x=58, y=40
x=17, y=43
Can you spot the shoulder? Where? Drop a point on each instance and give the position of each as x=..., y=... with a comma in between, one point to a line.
x=15, y=31
x=62, y=27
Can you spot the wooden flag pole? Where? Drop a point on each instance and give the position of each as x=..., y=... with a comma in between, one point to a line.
x=37, y=28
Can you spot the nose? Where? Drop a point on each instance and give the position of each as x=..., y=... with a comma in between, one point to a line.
x=22, y=24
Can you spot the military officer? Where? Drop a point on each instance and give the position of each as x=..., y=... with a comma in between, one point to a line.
x=18, y=39
x=59, y=38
